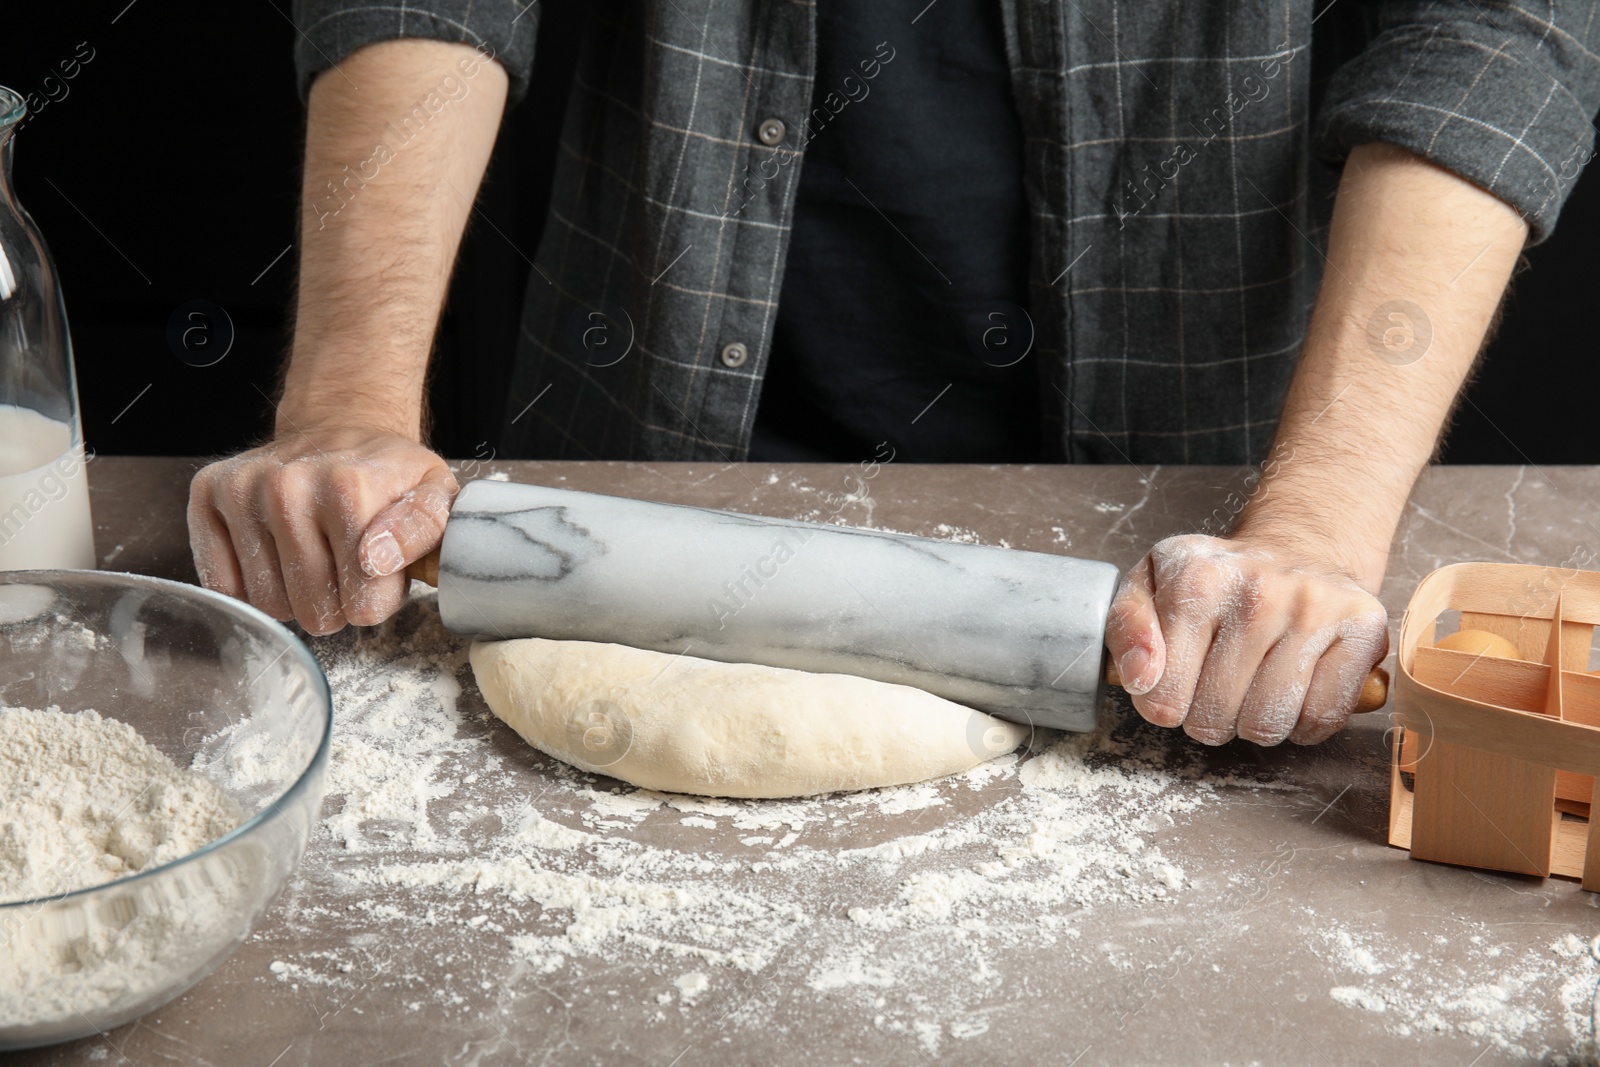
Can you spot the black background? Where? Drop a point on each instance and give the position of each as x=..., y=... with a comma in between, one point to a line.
x=169, y=172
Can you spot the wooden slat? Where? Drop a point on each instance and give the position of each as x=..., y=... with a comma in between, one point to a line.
x=1568, y=848
x=1573, y=791
x=1576, y=637
x=1511, y=589
x=1565, y=746
x=1505, y=683
x=1567, y=786
x=1580, y=703
x=1400, y=799
x=1591, y=861
x=1476, y=806
x=1568, y=845
x=1552, y=660
x=1529, y=635
x=1482, y=809
x=1409, y=743
x=1580, y=697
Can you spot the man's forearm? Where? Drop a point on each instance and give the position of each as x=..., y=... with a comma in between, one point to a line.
x=396, y=146
x=1417, y=262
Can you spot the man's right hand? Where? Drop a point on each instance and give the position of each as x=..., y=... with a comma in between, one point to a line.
x=320, y=526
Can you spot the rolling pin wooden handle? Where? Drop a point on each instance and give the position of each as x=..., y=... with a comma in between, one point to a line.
x=426, y=569
x=1374, y=694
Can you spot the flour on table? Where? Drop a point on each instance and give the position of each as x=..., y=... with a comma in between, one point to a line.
x=448, y=847
x=691, y=985
x=1495, y=1004
x=439, y=816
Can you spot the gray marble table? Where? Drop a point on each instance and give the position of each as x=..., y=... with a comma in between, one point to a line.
x=1296, y=936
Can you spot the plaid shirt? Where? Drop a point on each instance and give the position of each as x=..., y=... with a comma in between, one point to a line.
x=1173, y=168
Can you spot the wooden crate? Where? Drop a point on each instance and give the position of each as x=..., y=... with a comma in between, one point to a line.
x=1494, y=761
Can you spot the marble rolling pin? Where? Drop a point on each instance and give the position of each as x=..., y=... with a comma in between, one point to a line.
x=1017, y=634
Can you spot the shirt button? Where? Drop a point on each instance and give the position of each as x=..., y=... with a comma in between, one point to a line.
x=734, y=355
x=771, y=132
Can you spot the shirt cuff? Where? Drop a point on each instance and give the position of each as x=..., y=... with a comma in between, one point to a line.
x=331, y=29
x=1506, y=109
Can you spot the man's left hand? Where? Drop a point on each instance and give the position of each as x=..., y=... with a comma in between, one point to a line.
x=1229, y=638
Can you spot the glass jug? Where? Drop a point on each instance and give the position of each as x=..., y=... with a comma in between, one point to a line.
x=44, y=487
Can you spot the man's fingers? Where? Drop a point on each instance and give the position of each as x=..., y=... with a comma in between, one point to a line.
x=1272, y=706
x=1133, y=631
x=282, y=525
x=252, y=548
x=1187, y=626
x=1250, y=628
x=306, y=562
x=1341, y=672
x=367, y=600
x=304, y=556
x=258, y=564
x=1233, y=641
x=214, y=561
x=1335, y=685
x=410, y=528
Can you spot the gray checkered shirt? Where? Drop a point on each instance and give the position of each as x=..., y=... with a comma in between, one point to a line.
x=1175, y=174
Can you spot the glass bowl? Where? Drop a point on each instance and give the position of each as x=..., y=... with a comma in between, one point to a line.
x=216, y=686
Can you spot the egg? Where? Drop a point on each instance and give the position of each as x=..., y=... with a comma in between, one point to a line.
x=1479, y=643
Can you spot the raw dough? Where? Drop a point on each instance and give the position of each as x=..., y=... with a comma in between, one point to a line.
x=688, y=725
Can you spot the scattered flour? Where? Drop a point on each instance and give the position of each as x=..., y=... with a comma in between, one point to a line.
x=438, y=817
x=855, y=508
x=1357, y=998
x=450, y=848
x=691, y=985
x=1494, y=998
x=853, y=970
x=944, y=531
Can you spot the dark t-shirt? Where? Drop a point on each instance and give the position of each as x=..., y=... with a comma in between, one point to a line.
x=901, y=313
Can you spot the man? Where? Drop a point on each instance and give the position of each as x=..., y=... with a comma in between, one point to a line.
x=1074, y=230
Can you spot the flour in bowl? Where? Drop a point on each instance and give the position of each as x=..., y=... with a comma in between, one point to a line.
x=85, y=800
